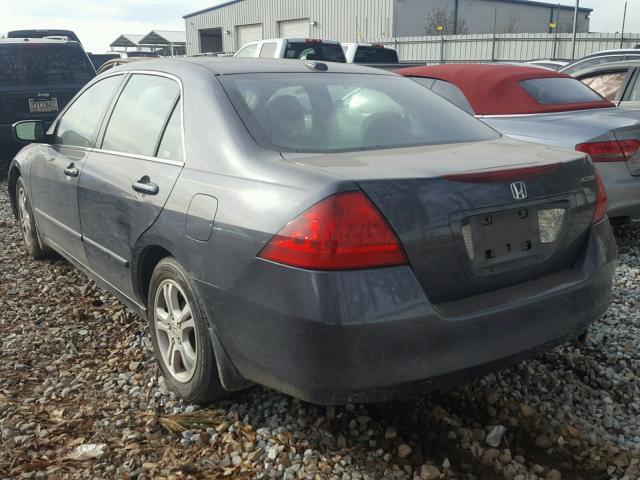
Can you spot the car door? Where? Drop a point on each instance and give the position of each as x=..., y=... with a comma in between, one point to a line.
x=126, y=182
x=53, y=178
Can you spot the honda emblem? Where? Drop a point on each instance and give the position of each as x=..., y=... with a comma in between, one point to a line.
x=519, y=190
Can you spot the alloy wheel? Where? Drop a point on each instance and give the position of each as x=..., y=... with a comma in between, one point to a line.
x=175, y=330
x=24, y=216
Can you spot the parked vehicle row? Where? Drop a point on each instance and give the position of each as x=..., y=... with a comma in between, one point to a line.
x=342, y=236
x=550, y=108
x=345, y=234
x=319, y=49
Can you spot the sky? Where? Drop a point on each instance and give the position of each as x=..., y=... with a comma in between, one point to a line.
x=99, y=22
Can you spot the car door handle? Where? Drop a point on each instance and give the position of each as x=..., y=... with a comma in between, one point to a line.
x=71, y=171
x=145, y=186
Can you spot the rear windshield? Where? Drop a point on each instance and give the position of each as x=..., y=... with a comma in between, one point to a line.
x=324, y=112
x=142, y=54
x=558, y=91
x=375, y=55
x=328, y=52
x=43, y=64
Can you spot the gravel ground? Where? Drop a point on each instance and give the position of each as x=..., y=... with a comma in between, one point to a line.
x=80, y=397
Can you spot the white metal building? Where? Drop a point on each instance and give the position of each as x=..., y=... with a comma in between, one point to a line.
x=226, y=27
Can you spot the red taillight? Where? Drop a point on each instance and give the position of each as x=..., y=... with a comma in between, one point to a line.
x=495, y=176
x=344, y=231
x=613, y=151
x=312, y=40
x=601, y=200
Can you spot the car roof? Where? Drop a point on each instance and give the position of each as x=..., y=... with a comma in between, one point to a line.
x=610, y=66
x=37, y=40
x=230, y=66
x=494, y=89
x=615, y=50
x=297, y=39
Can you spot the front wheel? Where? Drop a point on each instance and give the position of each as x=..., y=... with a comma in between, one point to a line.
x=28, y=223
x=180, y=337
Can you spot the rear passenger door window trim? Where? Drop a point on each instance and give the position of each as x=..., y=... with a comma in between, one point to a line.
x=179, y=102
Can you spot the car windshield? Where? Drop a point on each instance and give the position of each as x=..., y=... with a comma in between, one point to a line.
x=324, y=112
x=559, y=91
x=375, y=55
x=315, y=50
x=43, y=64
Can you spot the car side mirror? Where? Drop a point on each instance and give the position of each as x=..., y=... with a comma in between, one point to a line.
x=31, y=131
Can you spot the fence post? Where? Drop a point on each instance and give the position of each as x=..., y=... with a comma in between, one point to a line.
x=493, y=40
x=442, y=49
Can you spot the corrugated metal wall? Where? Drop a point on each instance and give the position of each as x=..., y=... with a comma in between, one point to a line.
x=267, y=12
x=344, y=20
x=506, y=47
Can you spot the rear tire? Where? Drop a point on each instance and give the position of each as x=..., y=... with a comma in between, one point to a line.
x=27, y=223
x=180, y=335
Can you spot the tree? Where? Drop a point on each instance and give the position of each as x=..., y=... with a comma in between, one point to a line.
x=441, y=21
x=512, y=25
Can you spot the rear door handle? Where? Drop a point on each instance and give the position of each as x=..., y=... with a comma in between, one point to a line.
x=71, y=171
x=145, y=186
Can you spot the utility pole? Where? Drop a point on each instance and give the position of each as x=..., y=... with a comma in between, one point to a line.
x=575, y=30
x=624, y=21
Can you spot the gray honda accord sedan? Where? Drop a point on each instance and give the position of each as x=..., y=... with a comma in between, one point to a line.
x=337, y=233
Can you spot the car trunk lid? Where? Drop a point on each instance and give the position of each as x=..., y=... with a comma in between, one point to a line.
x=468, y=216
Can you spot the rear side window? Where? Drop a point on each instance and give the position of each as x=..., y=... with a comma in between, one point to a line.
x=268, y=50
x=44, y=64
x=558, y=91
x=344, y=112
x=446, y=90
x=634, y=91
x=315, y=50
x=375, y=55
x=249, y=51
x=140, y=115
x=171, y=143
x=606, y=84
x=79, y=124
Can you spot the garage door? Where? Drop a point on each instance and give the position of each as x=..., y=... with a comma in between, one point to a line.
x=248, y=33
x=294, y=28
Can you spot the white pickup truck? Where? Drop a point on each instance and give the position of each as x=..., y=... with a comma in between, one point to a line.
x=369, y=53
x=294, y=48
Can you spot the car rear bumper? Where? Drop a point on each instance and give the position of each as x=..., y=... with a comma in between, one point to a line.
x=623, y=190
x=372, y=335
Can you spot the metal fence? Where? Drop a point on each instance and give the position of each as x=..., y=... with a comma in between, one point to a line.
x=504, y=47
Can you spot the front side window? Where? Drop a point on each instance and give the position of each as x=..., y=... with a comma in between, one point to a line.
x=140, y=115
x=559, y=91
x=346, y=112
x=606, y=84
x=268, y=50
x=78, y=126
x=446, y=90
x=248, y=52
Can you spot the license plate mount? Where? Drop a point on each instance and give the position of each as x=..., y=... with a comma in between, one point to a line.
x=504, y=236
x=49, y=105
